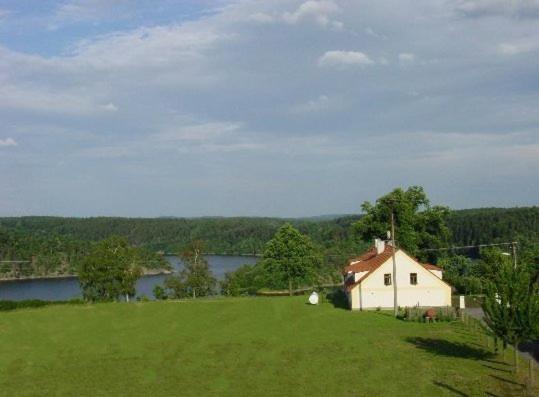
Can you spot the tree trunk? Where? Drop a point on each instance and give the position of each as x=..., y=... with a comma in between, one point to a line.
x=290, y=286
x=127, y=298
x=194, y=293
x=515, y=357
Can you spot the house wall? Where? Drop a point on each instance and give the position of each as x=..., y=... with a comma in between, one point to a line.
x=353, y=298
x=437, y=273
x=358, y=275
x=429, y=291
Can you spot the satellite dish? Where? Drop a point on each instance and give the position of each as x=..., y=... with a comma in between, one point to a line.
x=313, y=298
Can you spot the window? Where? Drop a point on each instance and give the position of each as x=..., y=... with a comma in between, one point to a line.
x=413, y=278
x=387, y=279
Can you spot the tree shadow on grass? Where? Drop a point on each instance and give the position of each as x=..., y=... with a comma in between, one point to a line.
x=496, y=369
x=506, y=380
x=447, y=348
x=338, y=299
x=497, y=362
x=451, y=389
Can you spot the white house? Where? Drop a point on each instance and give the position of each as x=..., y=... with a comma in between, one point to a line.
x=368, y=280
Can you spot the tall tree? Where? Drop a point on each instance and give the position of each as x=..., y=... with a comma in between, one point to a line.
x=110, y=270
x=511, y=305
x=291, y=256
x=196, y=279
x=417, y=224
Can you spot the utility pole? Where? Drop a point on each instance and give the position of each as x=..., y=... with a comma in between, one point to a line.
x=395, y=306
x=514, y=246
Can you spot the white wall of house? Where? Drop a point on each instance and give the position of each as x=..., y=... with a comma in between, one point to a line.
x=358, y=275
x=354, y=298
x=429, y=291
x=437, y=273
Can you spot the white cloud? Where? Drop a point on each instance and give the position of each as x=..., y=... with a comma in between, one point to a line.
x=110, y=107
x=106, y=152
x=88, y=10
x=342, y=59
x=8, y=142
x=520, y=46
x=318, y=104
x=514, y=8
x=199, y=132
x=318, y=11
x=261, y=17
x=406, y=57
x=41, y=99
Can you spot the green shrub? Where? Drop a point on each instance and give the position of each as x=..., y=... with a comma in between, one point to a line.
x=159, y=292
x=417, y=314
x=414, y=314
x=447, y=313
x=6, y=305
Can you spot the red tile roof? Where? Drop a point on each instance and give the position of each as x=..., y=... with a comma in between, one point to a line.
x=367, y=262
x=429, y=266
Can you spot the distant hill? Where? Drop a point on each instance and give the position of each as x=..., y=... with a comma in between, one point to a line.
x=484, y=225
x=249, y=234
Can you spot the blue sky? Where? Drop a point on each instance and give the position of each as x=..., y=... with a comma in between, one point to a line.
x=277, y=108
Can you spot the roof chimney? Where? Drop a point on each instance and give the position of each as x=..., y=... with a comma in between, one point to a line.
x=379, y=245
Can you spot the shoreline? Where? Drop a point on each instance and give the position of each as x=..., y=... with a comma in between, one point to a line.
x=146, y=273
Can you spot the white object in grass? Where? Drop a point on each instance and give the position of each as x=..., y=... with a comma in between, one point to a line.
x=313, y=298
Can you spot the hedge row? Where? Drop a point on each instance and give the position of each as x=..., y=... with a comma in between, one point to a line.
x=6, y=305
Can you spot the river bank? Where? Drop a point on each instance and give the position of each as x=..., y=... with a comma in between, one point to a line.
x=66, y=286
x=148, y=272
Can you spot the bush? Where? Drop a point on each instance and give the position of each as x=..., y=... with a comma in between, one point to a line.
x=446, y=314
x=159, y=293
x=414, y=314
x=6, y=305
x=418, y=314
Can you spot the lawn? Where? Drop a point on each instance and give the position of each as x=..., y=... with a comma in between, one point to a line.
x=240, y=347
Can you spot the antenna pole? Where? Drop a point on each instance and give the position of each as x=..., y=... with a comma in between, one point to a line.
x=514, y=246
x=395, y=306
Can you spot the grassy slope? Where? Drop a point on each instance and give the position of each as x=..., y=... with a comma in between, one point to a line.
x=243, y=346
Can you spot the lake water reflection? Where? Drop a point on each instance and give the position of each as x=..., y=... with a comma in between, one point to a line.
x=67, y=288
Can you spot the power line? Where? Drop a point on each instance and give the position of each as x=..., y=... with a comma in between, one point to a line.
x=468, y=246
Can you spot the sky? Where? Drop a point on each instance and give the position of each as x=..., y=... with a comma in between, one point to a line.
x=265, y=108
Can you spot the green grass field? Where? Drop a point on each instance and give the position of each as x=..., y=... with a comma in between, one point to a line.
x=241, y=347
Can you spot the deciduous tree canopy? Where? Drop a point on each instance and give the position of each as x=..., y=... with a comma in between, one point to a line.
x=417, y=224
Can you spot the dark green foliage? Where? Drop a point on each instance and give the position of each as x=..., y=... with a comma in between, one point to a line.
x=511, y=304
x=461, y=272
x=418, y=314
x=56, y=246
x=110, y=270
x=45, y=254
x=417, y=225
x=291, y=259
x=159, y=292
x=6, y=305
x=490, y=225
x=243, y=281
x=196, y=279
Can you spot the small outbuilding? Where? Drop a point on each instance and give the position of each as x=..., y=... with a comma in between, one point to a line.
x=368, y=280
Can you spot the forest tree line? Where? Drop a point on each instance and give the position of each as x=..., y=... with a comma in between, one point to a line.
x=248, y=235
x=55, y=245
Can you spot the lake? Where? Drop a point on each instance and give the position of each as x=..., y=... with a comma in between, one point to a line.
x=67, y=288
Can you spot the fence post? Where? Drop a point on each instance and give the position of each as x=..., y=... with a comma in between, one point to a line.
x=530, y=371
